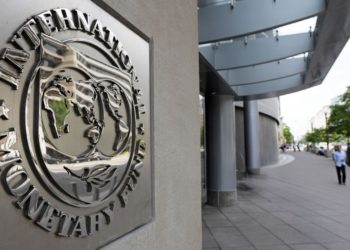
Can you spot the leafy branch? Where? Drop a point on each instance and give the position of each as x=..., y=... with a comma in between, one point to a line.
x=96, y=177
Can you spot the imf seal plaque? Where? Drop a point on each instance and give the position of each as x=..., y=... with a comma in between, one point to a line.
x=74, y=125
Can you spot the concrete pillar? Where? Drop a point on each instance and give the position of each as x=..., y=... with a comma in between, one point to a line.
x=252, y=139
x=221, y=154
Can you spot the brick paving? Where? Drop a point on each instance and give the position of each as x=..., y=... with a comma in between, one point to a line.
x=295, y=206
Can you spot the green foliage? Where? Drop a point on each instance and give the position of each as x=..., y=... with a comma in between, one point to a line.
x=302, y=141
x=288, y=136
x=316, y=136
x=339, y=119
x=60, y=110
x=334, y=137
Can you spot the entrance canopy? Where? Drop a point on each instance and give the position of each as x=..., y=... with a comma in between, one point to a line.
x=242, y=47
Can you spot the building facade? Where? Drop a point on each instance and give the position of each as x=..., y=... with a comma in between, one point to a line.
x=157, y=206
x=100, y=119
x=268, y=134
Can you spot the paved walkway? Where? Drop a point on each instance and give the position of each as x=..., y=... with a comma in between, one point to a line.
x=295, y=206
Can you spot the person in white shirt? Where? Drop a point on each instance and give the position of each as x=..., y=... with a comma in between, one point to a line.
x=339, y=159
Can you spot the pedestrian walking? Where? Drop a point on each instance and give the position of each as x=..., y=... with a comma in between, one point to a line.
x=339, y=159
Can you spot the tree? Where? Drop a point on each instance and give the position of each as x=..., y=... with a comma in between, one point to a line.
x=316, y=136
x=339, y=119
x=309, y=137
x=334, y=137
x=288, y=136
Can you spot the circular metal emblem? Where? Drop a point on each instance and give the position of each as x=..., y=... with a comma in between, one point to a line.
x=83, y=119
x=80, y=121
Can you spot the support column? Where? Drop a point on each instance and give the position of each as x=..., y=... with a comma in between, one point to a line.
x=221, y=152
x=251, y=134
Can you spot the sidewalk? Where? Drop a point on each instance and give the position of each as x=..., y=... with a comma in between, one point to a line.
x=295, y=206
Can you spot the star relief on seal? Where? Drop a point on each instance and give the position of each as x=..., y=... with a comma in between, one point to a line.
x=4, y=110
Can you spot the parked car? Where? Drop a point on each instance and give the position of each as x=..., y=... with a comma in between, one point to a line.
x=320, y=151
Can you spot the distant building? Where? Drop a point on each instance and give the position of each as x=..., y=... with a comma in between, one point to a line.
x=319, y=120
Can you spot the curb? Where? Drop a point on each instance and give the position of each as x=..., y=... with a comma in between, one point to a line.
x=284, y=159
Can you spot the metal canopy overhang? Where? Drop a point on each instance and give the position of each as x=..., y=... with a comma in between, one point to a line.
x=332, y=37
x=210, y=81
x=265, y=72
x=268, y=49
x=222, y=22
x=255, y=75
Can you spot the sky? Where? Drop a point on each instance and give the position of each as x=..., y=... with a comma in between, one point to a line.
x=298, y=108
